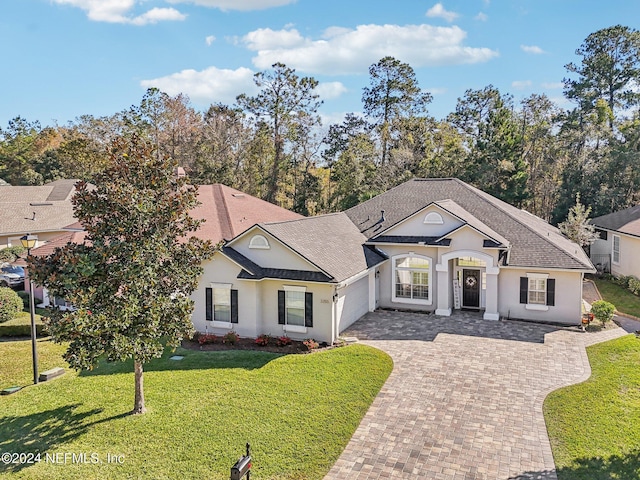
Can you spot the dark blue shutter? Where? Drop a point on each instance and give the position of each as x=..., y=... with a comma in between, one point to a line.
x=281, y=307
x=524, y=289
x=234, y=306
x=551, y=292
x=308, y=309
x=209, y=304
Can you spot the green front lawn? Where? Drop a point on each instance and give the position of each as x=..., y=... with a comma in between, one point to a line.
x=623, y=299
x=594, y=427
x=21, y=325
x=297, y=411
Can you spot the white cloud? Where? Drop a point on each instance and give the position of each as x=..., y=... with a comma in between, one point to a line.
x=534, y=49
x=210, y=39
x=343, y=51
x=482, y=17
x=207, y=86
x=438, y=11
x=521, y=84
x=243, y=5
x=118, y=11
x=330, y=90
x=552, y=85
x=436, y=90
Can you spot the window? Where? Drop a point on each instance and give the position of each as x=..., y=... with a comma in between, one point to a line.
x=221, y=304
x=433, y=218
x=615, y=253
x=295, y=308
x=259, y=241
x=537, y=291
x=411, y=277
x=471, y=262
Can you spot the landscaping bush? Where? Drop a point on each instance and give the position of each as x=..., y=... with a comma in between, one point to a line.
x=603, y=311
x=25, y=299
x=634, y=285
x=311, y=344
x=283, y=341
x=10, y=304
x=263, y=340
x=230, y=337
x=206, y=338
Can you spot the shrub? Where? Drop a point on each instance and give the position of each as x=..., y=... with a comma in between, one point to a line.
x=206, y=338
x=230, y=337
x=25, y=299
x=622, y=280
x=311, y=344
x=634, y=285
x=283, y=341
x=263, y=340
x=10, y=304
x=603, y=311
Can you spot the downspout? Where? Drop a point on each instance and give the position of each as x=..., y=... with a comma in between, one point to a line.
x=334, y=319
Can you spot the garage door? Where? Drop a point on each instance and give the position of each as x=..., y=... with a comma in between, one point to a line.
x=355, y=302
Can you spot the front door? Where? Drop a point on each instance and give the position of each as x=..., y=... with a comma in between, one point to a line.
x=471, y=288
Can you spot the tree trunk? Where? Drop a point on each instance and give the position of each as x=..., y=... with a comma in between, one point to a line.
x=138, y=407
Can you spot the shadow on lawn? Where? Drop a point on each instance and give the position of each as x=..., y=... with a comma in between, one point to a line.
x=193, y=360
x=614, y=467
x=43, y=432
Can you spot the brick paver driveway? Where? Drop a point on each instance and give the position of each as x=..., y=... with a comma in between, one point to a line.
x=464, y=400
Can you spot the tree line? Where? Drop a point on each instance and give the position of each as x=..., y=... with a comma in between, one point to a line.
x=533, y=154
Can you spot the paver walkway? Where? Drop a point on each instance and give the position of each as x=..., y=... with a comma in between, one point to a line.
x=464, y=400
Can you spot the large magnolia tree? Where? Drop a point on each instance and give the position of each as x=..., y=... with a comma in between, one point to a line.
x=131, y=279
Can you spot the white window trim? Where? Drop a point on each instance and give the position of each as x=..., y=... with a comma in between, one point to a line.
x=415, y=301
x=293, y=328
x=257, y=238
x=613, y=249
x=433, y=218
x=537, y=306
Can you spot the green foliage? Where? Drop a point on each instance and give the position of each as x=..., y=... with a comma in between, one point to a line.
x=231, y=338
x=621, y=297
x=130, y=281
x=11, y=254
x=577, y=226
x=603, y=310
x=10, y=304
x=634, y=286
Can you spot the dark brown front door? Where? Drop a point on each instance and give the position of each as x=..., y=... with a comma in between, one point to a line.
x=471, y=288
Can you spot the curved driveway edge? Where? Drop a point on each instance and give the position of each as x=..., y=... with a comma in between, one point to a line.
x=464, y=399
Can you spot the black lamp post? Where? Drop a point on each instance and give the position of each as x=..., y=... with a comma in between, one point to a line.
x=28, y=242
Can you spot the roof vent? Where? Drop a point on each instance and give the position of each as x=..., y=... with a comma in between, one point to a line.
x=381, y=216
x=34, y=216
x=238, y=195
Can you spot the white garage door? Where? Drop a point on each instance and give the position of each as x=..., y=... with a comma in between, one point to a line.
x=355, y=302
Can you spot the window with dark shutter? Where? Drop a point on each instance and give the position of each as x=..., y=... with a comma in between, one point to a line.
x=209, y=304
x=551, y=292
x=234, y=306
x=281, y=307
x=524, y=289
x=308, y=309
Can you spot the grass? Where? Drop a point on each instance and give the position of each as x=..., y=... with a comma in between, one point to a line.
x=16, y=367
x=594, y=427
x=21, y=325
x=623, y=299
x=297, y=411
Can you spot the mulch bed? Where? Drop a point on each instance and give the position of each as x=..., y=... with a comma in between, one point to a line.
x=250, y=344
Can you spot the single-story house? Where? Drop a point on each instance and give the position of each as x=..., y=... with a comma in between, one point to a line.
x=43, y=211
x=226, y=212
x=430, y=245
x=618, y=249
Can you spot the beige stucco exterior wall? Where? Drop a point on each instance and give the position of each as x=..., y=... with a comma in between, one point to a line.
x=277, y=256
x=258, y=303
x=415, y=225
x=568, y=298
x=43, y=237
x=629, y=263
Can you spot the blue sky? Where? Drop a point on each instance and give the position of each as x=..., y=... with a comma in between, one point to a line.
x=65, y=58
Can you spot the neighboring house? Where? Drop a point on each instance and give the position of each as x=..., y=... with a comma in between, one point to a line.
x=432, y=245
x=42, y=210
x=618, y=249
x=226, y=212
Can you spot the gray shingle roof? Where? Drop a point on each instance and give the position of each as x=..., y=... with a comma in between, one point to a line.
x=33, y=209
x=625, y=221
x=534, y=243
x=330, y=242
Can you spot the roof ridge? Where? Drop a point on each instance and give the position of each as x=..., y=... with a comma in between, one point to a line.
x=499, y=207
x=223, y=211
x=302, y=218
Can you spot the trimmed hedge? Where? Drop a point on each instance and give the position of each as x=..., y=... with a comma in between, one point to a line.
x=22, y=330
x=10, y=304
